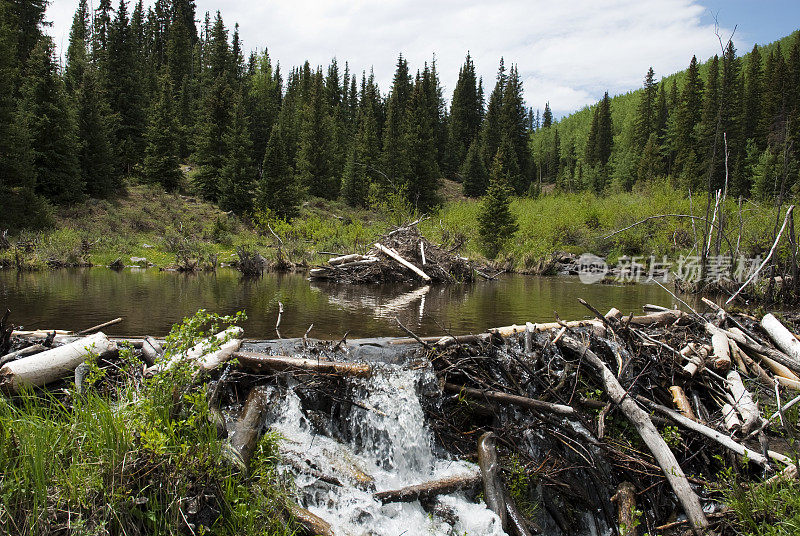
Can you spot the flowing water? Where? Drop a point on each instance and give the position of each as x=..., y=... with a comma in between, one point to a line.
x=151, y=301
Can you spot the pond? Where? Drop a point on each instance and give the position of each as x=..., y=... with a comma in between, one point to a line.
x=150, y=301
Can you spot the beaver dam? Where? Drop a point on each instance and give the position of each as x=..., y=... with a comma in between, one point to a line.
x=620, y=424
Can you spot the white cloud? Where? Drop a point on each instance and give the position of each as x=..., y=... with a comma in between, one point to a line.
x=568, y=53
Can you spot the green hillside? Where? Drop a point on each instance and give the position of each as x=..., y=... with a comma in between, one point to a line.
x=753, y=152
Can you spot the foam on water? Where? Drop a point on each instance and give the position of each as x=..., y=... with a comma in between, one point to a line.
x=390, y=443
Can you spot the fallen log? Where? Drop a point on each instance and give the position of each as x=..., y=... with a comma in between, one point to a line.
x=151, y=350
x=719, y=437
x=681, y=402
x=662, y=318
x=493, y=491
x=773, y=354
x=248, y=427
x=393, y=255
x=345, y=259
x=721, y=346
x=33, y=349
x=311, y=523
x=522, y=401
x=782, y=338
x=517, y=525
x=731, y=420
x=428, y=490
x=51, y=365
x=625, y=499
x=743, y=402
x=201, y=355
x=260, y=362
x=648, y=432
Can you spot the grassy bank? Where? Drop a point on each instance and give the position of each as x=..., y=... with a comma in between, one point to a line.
x=131, y=456
x=165, y=228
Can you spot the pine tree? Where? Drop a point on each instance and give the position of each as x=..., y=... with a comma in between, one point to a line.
x=646, y=113
x=605, y=134
x=710, y=134
x=422, y=177
x=49, y=120
x=554, y=166
x=238, y=173
x=77, y=51
x=689, y=114
x=473, y=171
x=547, y=117
x=465, y=113
x=263, y=104
x=496, y=224
x=161, y=163
x=125, y=92
x=25, y=19
x=315, y=153
x=492, y=132
x=752, y=100
x=362, y=168
x=731, y=122
x=96, y=156
x=394, y=165
x=515, y=128
x=278, y=189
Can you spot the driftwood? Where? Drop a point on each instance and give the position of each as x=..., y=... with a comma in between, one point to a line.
x=395, y=256
x=52, y=365
x=648, y=432
x=719, y=437
x=625, y=499
x=782, y=338
x=151, y=350
x=493, y=491
x=428, y=490
x=260, y=362
x=33, y=349
x=200, y=354
x=742, y=401
x=730, y=419
x=681, y=402
x=98, y=327
x=311, y=523
x=521, y=401
x=721, y=346
x=248, y=427
x=776, y=355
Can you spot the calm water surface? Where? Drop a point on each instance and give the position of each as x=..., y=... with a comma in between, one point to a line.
x=151, y=301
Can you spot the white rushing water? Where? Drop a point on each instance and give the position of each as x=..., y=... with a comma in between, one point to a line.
x=389, y=447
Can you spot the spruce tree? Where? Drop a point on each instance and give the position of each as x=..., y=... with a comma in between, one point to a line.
x=422, y=178
x=362, y=168
x=49, y=120
x=238, y=173
x=605, y=134
x=465, y=113
x=394, y=165
x=473, y=172
x=689, y=114
x=263, y=103
x=646, y=113
x=96, y=155
x=278, y=189
x=496, y=224
x=315, y=154
x=751, y=120
x=77, y=51
x=492, y=132
x=161, y=163
x=547, y=117
x=515, y=128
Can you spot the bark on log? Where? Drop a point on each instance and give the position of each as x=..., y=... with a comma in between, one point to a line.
x=345, y=259
x=493, y=492
x=248, y=427
x=260, y=362
x=45, y=367
x=681, y=402
x=722, y=348
x=392, y=254
x=782, y=338
x=648, y=432
x=522, y=401
x=743, y=402
x=731, y=420
x=151, y=350
x=201, y=355
x=719, y=437
x=33, y=349
x=773, y=354
x=663, y=318
x=625, y=498
x=428, y=490
x=312, y=523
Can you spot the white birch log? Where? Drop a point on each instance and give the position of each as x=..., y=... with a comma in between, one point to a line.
x=393, y=254
x=344, y=259
x=202, y=356
x=648, y=432
x=782, y=337
x=742, y=401
x=730, y=419
x=45, y=367
x=721, y=346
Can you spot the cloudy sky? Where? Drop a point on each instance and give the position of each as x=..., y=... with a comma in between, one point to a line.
x=568, y=51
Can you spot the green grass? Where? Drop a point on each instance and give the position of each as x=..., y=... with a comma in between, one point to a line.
x=131, y=459
x=164, y=227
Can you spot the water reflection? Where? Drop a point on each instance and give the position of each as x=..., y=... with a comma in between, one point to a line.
x=151, y=301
